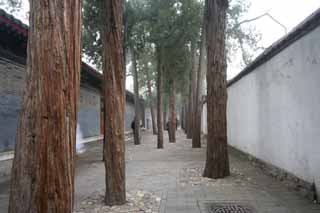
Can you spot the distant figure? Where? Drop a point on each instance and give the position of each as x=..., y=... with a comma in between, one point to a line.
x=168, y=123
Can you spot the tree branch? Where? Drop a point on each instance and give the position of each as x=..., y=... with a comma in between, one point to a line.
x=261, y=16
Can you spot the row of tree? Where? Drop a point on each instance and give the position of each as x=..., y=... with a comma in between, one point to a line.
x=165, y=44
x=169, y=43
x=44, y=163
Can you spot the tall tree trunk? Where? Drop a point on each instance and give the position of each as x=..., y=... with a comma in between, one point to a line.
x=102, y=126
x=153, y=119
x=165, y=116
x=193, y=90
x=217, y=163
x=182, y=116
x=172, y=110
x=136, y=98
x=159, y=99
x=152, y=108
x=189, y=112
x=43, y=165
x=196, y=137
x=124, y=48
x=114, y=95
x=184, y=112
x=186, y=117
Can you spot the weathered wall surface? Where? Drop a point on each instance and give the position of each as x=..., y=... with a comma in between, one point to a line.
x=12, y=83
x=148, y=119
x=129, y=115
x=273, y=111
x=89, y=112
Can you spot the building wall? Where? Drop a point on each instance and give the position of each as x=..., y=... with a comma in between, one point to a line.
x=273, y=112
x=12, y=83
x=89, y=112
x=129, y=115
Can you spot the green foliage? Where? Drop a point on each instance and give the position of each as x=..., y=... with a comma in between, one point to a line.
x=241, y=37
x=92, y=30
x=136, y=24
x=147, y=68
x=170, y=26
x=174, y=26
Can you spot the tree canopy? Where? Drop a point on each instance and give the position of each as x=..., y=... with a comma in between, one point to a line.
x=173, y=25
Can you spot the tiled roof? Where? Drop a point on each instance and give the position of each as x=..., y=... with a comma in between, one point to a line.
x=88, y=72
x=13, y=23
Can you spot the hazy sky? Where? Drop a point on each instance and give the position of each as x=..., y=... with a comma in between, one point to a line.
x=289, y=12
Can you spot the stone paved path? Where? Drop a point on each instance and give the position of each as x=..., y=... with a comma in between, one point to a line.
x=174, y=175
x=169, y=181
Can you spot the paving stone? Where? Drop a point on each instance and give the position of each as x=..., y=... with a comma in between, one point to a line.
x=170, y=181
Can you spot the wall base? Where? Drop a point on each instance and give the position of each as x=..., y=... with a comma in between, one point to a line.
x=306, y=189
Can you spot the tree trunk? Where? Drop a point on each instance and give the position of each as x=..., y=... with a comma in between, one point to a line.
x=153, y=120
x=136, y=99
x=186, y=120
x=183, y=124
x=159, y=100
x=193, y=90
x=43, y=166
x=165, y=116
x=189, y=112
x=172, y=111
x=152, y=108
x=217, y=163
x=114, y=95
x=102, y=126
x=182, y=116
x=196, y=137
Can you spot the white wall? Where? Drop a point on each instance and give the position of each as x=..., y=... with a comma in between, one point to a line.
x=274, y=111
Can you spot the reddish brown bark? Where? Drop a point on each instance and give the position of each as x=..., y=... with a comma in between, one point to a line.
x=193, y=90
x=217, y=162
x=183, y=117
x=159, y=100
x=114, y=94
x=186, y=126
x=43, y=166
x=136, y=134
x=172, y=112
x=196, y=136
x=153, y=119
x=165, y=116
